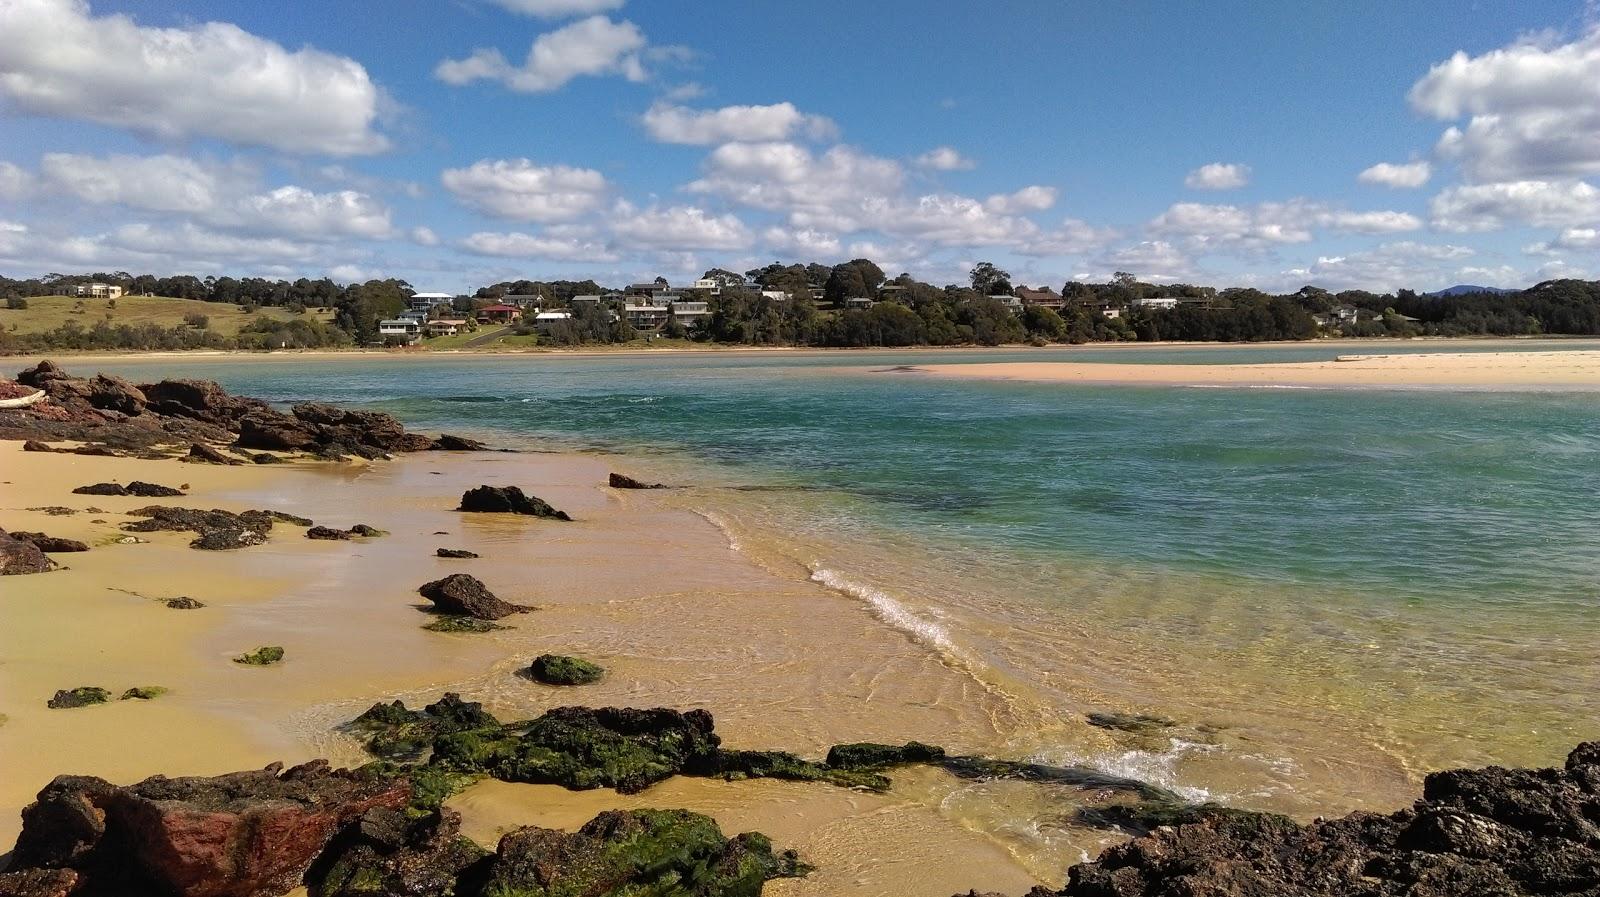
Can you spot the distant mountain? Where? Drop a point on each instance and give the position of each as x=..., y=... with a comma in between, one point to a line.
x=1462, y=289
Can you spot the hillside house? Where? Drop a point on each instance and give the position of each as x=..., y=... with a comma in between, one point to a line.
x=1044, y=298
x=499, y=313
x=97, y=291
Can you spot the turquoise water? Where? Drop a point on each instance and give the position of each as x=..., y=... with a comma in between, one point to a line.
x=1362, y=584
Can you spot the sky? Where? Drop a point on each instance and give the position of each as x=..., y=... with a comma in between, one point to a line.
x=456, y=143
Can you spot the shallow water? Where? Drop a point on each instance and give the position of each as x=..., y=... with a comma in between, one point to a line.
x=1330, y=591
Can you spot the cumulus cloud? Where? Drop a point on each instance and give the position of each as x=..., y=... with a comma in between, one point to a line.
x=161, y=183
x=678, y=229
x=1205, y=227
x=944, y=158
x=1218, y=176
x=592, y=47
x=1072, y=237
x=1152, y=261
x=1028, y=199
x=1485, y=207
x=14, y=181
x=1393, y=266
x=296, y=210
x=519, y=190
x=1532, y=109
x=537, y=246
x=1401, y=176
x=207, y=80
x=821, y=191
x=670, y=123
x=188, y=241
x=424, y=236
x=805, y=243
x=558, y=9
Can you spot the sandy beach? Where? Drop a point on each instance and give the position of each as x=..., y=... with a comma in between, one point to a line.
x=668, y=616
x=1571, y=370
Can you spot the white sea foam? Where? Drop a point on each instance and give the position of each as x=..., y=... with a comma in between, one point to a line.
x=721, y=523
x=887, y=609
x=1155, y=767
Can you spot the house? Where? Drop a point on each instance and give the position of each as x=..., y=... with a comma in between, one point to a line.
x=424, y=301
x=97, y=291
x=1045, y=298
x=646, y=315
x=446, y=326
x=544, y=320
x=408, y=330
x=688, y=311
x=647, y=289
x=775, y=295
x=1155, y=302
x=1012, y=303
x=858, y=302
x=523, y=301
x=499, y=313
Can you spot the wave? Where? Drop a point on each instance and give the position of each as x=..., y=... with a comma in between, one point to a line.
x=473, y=400
x=1155, y=767
x=922, y=630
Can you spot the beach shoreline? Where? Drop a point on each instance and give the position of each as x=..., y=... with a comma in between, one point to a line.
x=1558, y=370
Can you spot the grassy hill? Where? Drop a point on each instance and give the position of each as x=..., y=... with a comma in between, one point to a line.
x=49, y=312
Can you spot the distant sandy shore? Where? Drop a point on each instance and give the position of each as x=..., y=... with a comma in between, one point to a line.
x=1572, y=370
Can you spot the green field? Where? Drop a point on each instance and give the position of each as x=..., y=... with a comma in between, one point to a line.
x=49, y=312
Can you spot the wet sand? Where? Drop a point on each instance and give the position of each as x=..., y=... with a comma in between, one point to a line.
x=654, y=593
x=1558, y=370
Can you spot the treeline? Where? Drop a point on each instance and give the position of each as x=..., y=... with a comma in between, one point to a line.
x=300, y=333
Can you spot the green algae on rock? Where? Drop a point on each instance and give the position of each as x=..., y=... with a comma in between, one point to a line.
x=260, y=657
x=82, y=696
x=462, y=624
x=144, y=693
x=559, y=669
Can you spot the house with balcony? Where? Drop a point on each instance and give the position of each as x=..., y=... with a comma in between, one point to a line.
x=97, y=291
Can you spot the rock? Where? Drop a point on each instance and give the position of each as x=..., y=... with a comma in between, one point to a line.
x=42, y=373
x=38, y=883
x=448, y=443
x=356, y=430
x=621, y=481
x=276, y=432
x=201, y=400
x=261, y=657
x=558, y=669
x=327, y=533
x=34, y=445
x=56, y=511
x=458, y=553
x=394, y=732
x=284, y=517
x=245, y=834
x=143, y=693
x=461, y=595
x=227, y=539
x=152, y=490
x=184, y=604
x=101, y=489
x=265, y=458
x=110, y=393
x=508, y=500
x=386, y=854
x=637, y=852
x=18, y=557
x=1135, y=723
x=367, y=532
x=200, y=453
x=735, y=765
x=94, y=451
x=583, y=748
x=865, y=755
x=82, y=696
x=50, y=544
x=462, y=624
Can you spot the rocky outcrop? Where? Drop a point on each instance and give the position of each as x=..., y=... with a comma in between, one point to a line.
x=390, y=854
x=245, y=834
x=508, y=500
x=261, y=657
x=50, y=544
x=622, y=481
x=184, y=603
x=18, y=557
x=137, y=488
x=201, y=453
x=394, y=732
x=559, y=669
x=216, y=529
x=329, y=533
x=82, y=696
x=462, y=595
x=455, y=553
x=38, y=883
x=448, y=443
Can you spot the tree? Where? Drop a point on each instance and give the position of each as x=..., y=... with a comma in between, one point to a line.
x=852, y=279
x=988, y=280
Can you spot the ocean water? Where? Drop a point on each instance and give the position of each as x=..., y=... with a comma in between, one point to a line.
x=1331, y=591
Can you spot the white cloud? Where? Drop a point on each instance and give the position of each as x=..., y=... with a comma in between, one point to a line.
x=1255, y=228
x=191, y=242
x=519, y=190
x=1484, y=207
x=1028, y=199
x=1218, y=176
x=669, y=123
x=1532, y=109
x=1152, y=261
x=302, y=213
x=802, y=243
x=531, y=246
x=818, y=191
x=944, y=158
x=1072, y=237
x=557, y=9
x=1401, y=176
x=1394, y=266
x=424, y=236
x=161, y=183
x=678, y=229
x=207, y=80
x=15, y=183
x=592, y=47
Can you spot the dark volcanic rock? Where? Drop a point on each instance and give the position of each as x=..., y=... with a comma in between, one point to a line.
x=261, y=657
x=245, y=834
x=202, y=400
x=559, y=669
x=448, y=443
x=137, y=488
x=18, y=557
x=462, y=595
x=621, y=481
x=508, y=500
x=328, y=533
x=387, y=854
x=1136, y=723
x=200, y=453
x=110, y=393
x=358, y=429
x=274, y=431
x=217, y=530
x=34, y=445
x=457, y=553
x=38, y=883
x=395, y=732
x=184, y=603
x=82, y=696
x=635, y=852
x=227, y=539
x=101, y=489
x=866, y=755
x=50, y=544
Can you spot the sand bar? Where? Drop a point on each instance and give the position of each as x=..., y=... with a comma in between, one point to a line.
x=1572, y=370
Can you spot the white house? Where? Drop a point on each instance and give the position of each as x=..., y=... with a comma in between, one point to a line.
x=775, y=295
x=545, y=319
x=424, y=301
x=858, y=302
x=97, y=291
x=408, y=329
x=1158, y=302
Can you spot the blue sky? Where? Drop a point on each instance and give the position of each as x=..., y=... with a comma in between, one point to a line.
x=459, y=142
